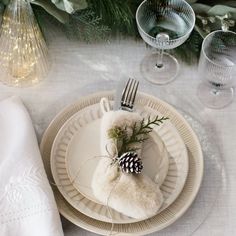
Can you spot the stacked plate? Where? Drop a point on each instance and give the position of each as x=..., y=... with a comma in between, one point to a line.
x=172, y=158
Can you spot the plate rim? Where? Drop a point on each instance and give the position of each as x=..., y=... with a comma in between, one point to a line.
x=69, y=110
x=59, y=134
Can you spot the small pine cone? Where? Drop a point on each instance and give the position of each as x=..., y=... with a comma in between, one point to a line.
x=130, y=163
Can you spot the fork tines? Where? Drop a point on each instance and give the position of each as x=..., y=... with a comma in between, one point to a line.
x=129, y=94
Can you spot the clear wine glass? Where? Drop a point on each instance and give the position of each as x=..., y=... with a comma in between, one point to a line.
x=217, y=69
x=163, y=24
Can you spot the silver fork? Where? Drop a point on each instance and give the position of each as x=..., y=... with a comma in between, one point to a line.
x=129, y=94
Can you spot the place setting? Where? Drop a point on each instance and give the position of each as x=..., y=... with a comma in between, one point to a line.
x=172, y=163
x=135, y=157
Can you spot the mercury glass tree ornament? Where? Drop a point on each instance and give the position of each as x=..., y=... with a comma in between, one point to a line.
x=23, y=51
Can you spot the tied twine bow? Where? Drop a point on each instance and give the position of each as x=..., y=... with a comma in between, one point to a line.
x=112, y=154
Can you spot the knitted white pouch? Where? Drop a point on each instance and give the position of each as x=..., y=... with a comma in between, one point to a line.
x=134, y=195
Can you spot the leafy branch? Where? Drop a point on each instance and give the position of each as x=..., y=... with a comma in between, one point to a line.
x=139, y=134
x=85, y=25
x=118, y=15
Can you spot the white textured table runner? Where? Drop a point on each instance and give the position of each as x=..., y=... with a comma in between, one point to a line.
x=80, y=68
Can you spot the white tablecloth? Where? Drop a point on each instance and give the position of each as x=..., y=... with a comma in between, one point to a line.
x=80, y=68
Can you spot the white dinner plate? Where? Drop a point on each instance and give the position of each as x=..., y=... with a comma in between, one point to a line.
x=73, y=162
x=85, y=144
x=161, y=220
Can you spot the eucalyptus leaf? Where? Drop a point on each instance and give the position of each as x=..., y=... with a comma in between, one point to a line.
x=221, y=10
x=200, y=8
x=70, y=6
x=191, y=1
x=48, y=6
x=230, y=3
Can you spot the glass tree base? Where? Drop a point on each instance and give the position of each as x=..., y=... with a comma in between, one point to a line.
x=214, y=98
x=159, y=74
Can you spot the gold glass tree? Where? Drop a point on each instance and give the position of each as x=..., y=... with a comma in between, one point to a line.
x=23, y=51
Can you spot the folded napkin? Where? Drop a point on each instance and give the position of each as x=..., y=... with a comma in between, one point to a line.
x=134, y=195
x=27, y=205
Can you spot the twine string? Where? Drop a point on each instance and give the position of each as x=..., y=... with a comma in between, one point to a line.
x=113, y=157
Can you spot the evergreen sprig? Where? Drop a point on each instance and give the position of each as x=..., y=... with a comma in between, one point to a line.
x=189, y=52
x=118, y=15
x=139, y=134
x=86, y=25
x=105, y=18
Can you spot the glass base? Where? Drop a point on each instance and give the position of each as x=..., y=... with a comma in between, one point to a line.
x=163, y=74
x=214, y=98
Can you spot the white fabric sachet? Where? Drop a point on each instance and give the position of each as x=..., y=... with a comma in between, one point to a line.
x=134, y=195
x=27, y=205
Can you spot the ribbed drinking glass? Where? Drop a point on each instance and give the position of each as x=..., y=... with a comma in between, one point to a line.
x=217, y=69
x=163, y=24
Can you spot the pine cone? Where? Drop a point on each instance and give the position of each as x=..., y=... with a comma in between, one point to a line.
x=130, y=163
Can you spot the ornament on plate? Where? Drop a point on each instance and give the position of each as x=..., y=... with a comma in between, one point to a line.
x=118, y=181
x=129, y=162
x=128, y=141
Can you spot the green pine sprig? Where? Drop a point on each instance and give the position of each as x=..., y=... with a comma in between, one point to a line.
x=85, y=25
x=118, y=15
x=189, y=52
x=139, y=134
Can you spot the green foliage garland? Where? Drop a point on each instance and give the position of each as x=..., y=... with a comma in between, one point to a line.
x=91, y=20
x=117, y=14
x=86, y=25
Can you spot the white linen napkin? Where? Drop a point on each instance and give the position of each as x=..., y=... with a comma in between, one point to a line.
x=27, y=205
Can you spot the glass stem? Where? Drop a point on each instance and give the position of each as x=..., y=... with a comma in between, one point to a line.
x=216, y=87
x=160, y=59
x=215, y=91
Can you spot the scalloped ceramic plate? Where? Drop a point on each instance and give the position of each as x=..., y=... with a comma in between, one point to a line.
x=78, y=141
x=159, y=221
